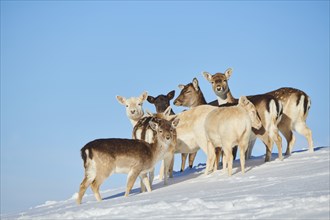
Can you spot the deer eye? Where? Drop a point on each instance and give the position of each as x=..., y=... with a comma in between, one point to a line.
x=126, y=106
x=160, y=131
x=212, y=82
x=140, y=104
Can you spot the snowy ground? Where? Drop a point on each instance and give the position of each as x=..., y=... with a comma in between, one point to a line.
x=295, y=188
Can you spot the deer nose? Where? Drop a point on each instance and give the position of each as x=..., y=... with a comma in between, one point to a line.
x=219, y=88
x=176, y=102
x=168, y=137
x=132, y=111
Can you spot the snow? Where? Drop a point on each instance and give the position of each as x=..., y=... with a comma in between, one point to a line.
x=295, y=188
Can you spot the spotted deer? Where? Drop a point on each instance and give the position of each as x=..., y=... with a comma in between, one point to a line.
x=269, y=110
x=103, y=157
x=161, y=102
x=143, y=131
x=135, y=113
x=228, y=127
x=296, y=105
x=191, y=96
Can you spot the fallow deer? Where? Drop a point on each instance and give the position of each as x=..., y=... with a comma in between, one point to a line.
x=103, y=157
x=268, y=108
x=296, y=105
x=161, y=102
x=228, y=127
x=134, y=110
x=191, y=96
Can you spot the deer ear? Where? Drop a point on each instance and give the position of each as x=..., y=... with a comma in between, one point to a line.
x=243, y=101
x=143, y=96
x=228, y=73
x=207, y=76
x=151, y=99
x=181, y=86
x=171, y=94
x=175, y=122
x=121, y=100
x=195, y=84
x=153, y=125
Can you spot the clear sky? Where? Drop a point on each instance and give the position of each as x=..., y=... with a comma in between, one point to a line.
x=63, y=63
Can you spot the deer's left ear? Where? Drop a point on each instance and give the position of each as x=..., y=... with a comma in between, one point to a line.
x=195, y=84
x=153, y=125
x=143, y=96
x=228, y=73
x=181, y=86
x=243, y=101
x=207, y=76
x=171, y=94
x=151, y=99
x=175, y=122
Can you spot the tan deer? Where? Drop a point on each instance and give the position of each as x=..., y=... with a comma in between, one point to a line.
x=103, y=157
x=228, y=127
x=269, y=110
x=134, y=110
x=191, y=96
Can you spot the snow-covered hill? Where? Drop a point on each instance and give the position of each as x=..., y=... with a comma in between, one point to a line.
x=295, y=188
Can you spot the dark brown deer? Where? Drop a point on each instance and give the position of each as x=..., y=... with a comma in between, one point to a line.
x=268, y=108
x=162, y=102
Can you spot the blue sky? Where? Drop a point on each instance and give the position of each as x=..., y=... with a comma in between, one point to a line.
x=63, y=63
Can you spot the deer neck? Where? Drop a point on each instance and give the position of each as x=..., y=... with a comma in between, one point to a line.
x=200, y=100
x=225, y=98
x=159, y=150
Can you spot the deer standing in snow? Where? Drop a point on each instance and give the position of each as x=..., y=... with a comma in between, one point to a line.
x=268, y=108
x=228, y=127
x=295, y=107
x=103, y=157
x=161, y=102
x=191, y=96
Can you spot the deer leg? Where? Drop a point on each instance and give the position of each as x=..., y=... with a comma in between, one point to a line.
x=183, y=162
x=161, y=170
x=152, y=176
x=146, y=182
x=302, y=129
x=171, y=167
x=191, y=159
x=248, y=152
x=210, y=158
x=278, y=140
x=96, y=189
x=234, y=152
x=217, y=157
x=229, y=158
x=290, y=139
x=268, y=144
x=82, y=189
x=131, y=177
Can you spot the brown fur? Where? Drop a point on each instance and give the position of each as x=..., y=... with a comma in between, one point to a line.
x=296, y=105
x=191, y=96
x=263, y=104
x=103, y=157
x=162, y=102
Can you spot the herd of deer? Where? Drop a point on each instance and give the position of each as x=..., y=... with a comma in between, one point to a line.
x=217, y=128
